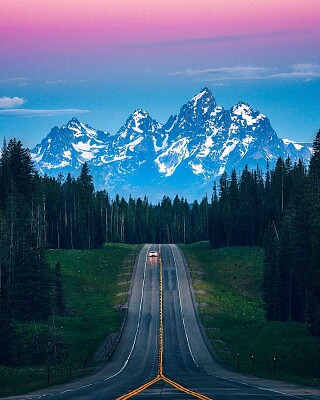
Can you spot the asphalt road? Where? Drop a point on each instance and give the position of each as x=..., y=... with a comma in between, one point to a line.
x=162, y=339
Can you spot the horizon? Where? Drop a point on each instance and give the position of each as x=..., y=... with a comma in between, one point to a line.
x=156, y=57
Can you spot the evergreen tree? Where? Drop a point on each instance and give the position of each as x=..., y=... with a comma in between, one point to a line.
x=85, y=228
x=314, y=168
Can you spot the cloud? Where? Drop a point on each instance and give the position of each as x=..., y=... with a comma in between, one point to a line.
x=225, y=73
x=58, y=82
x=11, y=102
x=11, y=80
x=39, y=113
x=304, y=72
x=218, y=39
x=299, y=71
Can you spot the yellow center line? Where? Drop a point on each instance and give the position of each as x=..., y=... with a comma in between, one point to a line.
x=185, y=390
x=161, y=375
x=160, y=372
x=140, y=389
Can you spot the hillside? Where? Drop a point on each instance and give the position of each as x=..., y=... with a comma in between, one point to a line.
x=95, y=285
x=228, y=288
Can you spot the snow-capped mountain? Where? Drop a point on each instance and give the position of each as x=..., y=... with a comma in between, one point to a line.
x=183, y=156
x=68, y=147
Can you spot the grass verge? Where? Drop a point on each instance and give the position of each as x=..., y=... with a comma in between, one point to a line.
x=95, y=284
x=228, y=288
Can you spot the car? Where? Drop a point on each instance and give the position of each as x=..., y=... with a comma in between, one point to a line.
x=153, y=253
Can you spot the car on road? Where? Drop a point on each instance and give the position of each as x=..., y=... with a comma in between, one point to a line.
x=153, y=253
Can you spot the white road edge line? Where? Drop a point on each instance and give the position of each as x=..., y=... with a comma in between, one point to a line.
x=181, y=309
x=132, y=348
x=217, y=376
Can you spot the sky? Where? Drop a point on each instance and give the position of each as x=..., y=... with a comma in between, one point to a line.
x=99, y=60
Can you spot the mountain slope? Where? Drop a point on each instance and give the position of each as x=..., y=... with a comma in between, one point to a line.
x=68, y=147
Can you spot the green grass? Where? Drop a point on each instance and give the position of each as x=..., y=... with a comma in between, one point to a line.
x=95, y=283
x=228, y=284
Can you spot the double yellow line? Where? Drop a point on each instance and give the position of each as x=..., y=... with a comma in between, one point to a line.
x=161, y=375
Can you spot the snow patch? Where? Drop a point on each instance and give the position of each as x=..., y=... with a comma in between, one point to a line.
x=228, y=149
x=36, y=157
x=198, y=96
x=206, y=147
x=81, y=146
x=197, y=168
x=169, y=160
x=67, y=154
x=87, y=155
x=245, y=111
x=164, y=144
x=135, y=128
x=296, y=145
x=134, y=143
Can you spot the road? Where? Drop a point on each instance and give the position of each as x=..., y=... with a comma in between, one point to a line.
x=163, y=353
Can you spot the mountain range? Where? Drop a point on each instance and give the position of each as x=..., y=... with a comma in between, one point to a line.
x=184, y=156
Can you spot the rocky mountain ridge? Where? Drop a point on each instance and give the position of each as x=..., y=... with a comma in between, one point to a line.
x=183, y=156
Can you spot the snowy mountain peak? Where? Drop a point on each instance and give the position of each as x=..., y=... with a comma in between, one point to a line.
x=139, y=121
x=137, y=118
x=74, y=122
x=242, y=108
x=197, y=110
x=244, y=112
x=202, y=101
x=140, y=114
x=205, y=93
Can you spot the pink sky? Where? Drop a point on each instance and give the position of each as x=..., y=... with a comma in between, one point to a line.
x=36, y=24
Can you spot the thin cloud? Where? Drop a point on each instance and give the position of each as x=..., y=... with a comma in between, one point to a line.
x=12, y=80
x=300, y=71
x=225, y=73
x=306, y=72
x=39, y=113
x=57, y=82
x=11, y=102
x=218, y=39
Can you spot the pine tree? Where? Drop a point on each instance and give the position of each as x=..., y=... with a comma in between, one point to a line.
x=314, y=168
x=233, y=211
x=85, y=228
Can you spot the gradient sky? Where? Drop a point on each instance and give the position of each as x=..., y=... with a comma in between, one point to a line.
x=100, y=59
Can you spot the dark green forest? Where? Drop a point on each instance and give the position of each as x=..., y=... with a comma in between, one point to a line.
x=281, y=212
x=278, y=210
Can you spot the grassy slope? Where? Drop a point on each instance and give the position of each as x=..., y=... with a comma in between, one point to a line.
x=228, y=284
x=94, y=283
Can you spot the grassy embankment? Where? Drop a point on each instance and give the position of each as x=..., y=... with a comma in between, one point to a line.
x=95, y=283
x=228, y=285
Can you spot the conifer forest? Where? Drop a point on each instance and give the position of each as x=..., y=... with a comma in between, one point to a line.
x=278, y=210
